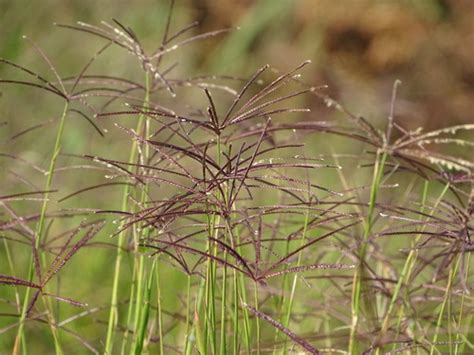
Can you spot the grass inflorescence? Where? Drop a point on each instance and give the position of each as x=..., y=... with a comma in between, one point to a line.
x=231, y=222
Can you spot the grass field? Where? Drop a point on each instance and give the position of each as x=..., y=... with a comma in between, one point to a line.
x=171, y=186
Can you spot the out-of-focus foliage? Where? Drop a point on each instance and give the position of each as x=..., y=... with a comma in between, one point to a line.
x=358, y=47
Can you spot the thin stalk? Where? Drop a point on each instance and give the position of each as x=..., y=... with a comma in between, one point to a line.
x=200, y=336
x=357, y=281
x=235, y=296
x=129, y=313
x=213, y=224
x=257, y=319
x=235, y=284
x=222, y=345
x=141, y=299
x=210, y=328
x=207, y=291
x=203, y=297
x=409, y=262
x=241, y=296
x=281, y=301
x=405, y=273
x=17, y=295
x=243, y=299
x=113, y=315
x=12, y=270
x=446, y=299
x=459, y=348
x=236, y=313
x=159, y=309
x=140, y=263
x=235, y=344
x=188, y=309
x=295, y=280
x=137, y=301
x=213, y=283
x=145, y=312
x=39, y=236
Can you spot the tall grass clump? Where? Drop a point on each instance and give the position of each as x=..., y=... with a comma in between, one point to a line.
x=227, y=218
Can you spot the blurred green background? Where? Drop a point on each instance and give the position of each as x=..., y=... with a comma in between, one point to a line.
x=357, y=47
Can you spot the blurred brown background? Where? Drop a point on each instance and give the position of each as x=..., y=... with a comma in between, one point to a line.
x=358, y=47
